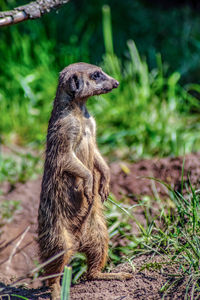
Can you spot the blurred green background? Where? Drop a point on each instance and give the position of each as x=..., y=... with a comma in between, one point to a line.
x=152, y=49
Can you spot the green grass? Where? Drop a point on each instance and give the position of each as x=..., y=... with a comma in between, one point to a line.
x=66, y=282
x=19, y=167
x=76, y=27
x=28, y=84
x=18, y=296
x=7, y=209
x=176, y=239
x=149, y=114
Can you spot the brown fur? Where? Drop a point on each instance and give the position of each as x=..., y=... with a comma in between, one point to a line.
x=76, y=178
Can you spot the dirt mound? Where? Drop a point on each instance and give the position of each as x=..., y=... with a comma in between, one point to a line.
x=128, y=179
x=18, y=248
x=144, y=284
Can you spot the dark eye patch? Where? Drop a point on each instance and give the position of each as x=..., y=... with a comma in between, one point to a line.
x=97, y=75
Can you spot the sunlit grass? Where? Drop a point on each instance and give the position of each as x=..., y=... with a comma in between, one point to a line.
x=149, y=114
x=174, y=237
x=19, y=167
x=66, y=282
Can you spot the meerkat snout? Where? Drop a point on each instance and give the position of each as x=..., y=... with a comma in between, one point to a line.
x=115, y=84
x=101, y=82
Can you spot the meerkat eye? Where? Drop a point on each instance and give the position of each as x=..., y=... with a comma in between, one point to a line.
x=96, y=75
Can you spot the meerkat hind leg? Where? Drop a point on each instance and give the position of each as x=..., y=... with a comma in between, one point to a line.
x=96, y=252
x=54, y=283
x=55, y=290
x=57, y=266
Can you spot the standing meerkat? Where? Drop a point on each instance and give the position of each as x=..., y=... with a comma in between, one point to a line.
x=76, y=179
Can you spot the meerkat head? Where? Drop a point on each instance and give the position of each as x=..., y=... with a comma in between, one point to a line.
x=81, y=80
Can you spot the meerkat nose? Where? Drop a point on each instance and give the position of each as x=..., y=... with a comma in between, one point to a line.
x=115, y=84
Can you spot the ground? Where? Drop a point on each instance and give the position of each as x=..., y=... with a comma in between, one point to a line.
x=18, y=248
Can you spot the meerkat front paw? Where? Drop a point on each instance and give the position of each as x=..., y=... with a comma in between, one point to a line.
x=104, y=184
x=88, y=188
x=104, y=190
x=79, y=184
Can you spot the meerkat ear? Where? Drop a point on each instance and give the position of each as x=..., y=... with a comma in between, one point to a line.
x=73, y=83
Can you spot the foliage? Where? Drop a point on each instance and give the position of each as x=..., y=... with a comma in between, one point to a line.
x=18, y=296
x=176, y=239
x=76, y=27
x=19, y=167
x=79, y=266
x=151, y=114
x=7, y=209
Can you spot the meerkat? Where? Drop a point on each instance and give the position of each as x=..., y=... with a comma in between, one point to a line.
x=76, y=179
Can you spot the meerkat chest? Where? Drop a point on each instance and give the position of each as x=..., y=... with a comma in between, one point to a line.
x=89, y=128
x=85, y=149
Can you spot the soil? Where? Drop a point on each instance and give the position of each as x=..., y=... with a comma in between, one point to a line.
x=18, y=248
x=129, y=179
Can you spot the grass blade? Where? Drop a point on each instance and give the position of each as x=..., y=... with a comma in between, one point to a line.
x=21, y=297
x=66, y=282
x=107, y=30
